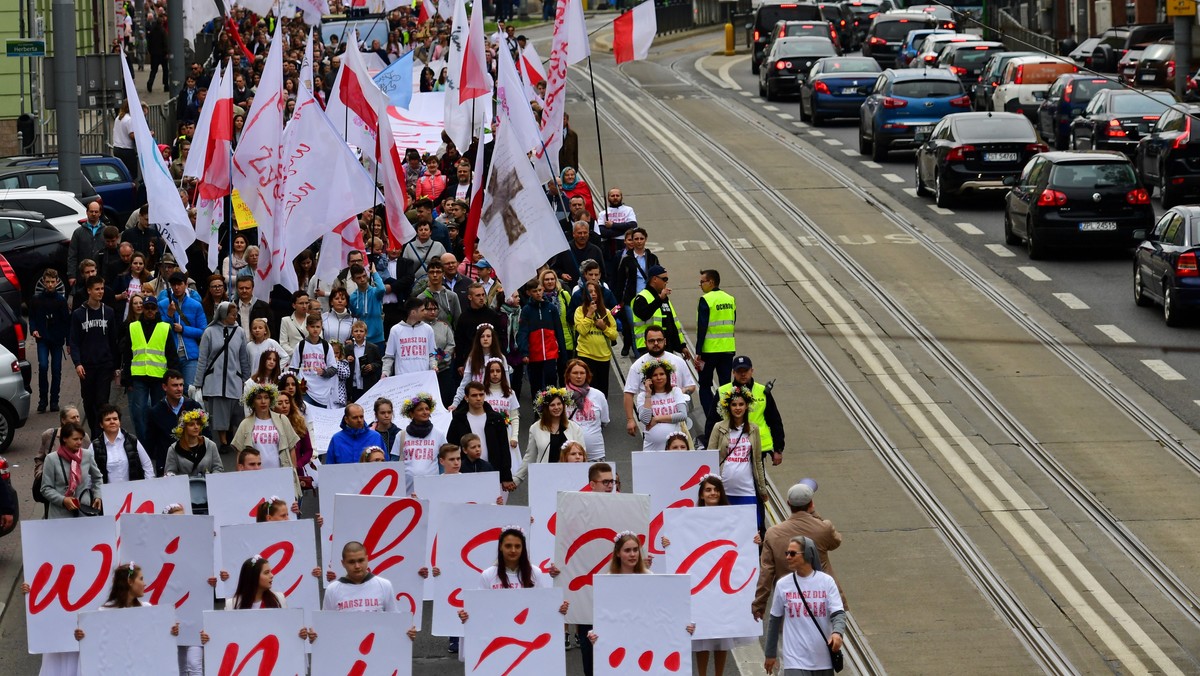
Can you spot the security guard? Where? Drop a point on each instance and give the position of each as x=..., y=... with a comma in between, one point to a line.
x=715, y=343
x=763, y=411
x=145, y=359
x=653, y=306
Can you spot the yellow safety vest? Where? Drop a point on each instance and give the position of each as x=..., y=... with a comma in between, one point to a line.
x=149, y=359
x=722, y=310
x=757, y=413
x=639, y=326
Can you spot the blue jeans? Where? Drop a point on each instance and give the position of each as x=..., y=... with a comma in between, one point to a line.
x=188, y=368
x=49, y=370
x=143, y=395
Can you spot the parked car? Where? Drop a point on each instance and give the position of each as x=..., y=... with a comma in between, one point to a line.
x=1127, y=65
x=765, y=16
x=1157, y=67
x=1066, y=100
x=31, y=245
x=927, y=53
x=108, y=175
x=888, y=31
x=47, y=177
x=967, y=59
x=1113, y=44
x=10, y=286
x=15, y=375
x=1025, y=82
x=989, y=77
x=1083, y=53
x=908, y=48
x=60, y=208
x=791, y=29
x=788, y=64
x=903, y=103
x=1116, y=118
x=1079, y=200
x=973, y=152
x=1168, y=156
x=1165, y=267
x=836, y=87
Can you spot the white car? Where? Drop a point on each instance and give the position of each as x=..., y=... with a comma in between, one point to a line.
x=60, y=208
x=1025, y=81
x=927, y=52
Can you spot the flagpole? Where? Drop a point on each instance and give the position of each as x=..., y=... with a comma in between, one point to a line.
x=599, y=144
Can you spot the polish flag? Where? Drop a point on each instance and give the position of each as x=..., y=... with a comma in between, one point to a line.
x=475, y=80
x=426, y=11
x=211, y=163
x=355, y=103
x=633, y=32
x=531, y=66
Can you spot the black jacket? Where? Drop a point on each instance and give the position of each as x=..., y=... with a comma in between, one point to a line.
x=495, y=434
x=94, y=336
x=370, y=356
x=160, y=422
x=568, y=262
x=468, y=323
x=627, y=273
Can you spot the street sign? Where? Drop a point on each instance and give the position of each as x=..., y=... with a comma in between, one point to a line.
x=24, y=47
x=1181, y=7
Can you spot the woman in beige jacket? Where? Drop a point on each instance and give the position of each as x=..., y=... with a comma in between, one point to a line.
x=268, y=432
x=737, y=440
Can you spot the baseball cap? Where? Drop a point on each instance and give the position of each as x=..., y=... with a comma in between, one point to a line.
x=177, y=278
x=482, y=263
x=742, y=362
x=656, y=270
x=800, y=495
x=150, y=302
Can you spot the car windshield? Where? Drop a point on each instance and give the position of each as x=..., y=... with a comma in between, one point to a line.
x=1158, y=53
x=1095, y=175
x=994, y=129
x=1150, y=103
x=895, y=31
x=925, y=88
x=1083, y=91
x=792, y=50
x=861, y=9
x=769, y=14
x=851, y=66
x=974, y=57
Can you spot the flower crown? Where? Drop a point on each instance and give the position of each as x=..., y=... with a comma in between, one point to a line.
x=194, y=415
x=742, y=392
x=652, y=364
x=626, y=533
x=543, y=398
x=513, y=527
x=492, y=360
x=714, y=477
x=410, y=404
x=485, y=325
x=255, y=389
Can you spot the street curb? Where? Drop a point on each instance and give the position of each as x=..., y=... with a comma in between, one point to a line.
x=603, y=41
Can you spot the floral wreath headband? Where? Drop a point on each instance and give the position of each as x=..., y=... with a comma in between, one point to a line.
x=512, y=527
x=742, y=392
x=409, y=405
x=543, y=398
x=713, y=477
x=627, y=533
x=194, y=415
x=652, y=364
x=258, y=388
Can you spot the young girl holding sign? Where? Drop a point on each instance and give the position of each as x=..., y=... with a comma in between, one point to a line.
x=418, y=443
x=254, y=592
x=627, y=559
x=661, y=408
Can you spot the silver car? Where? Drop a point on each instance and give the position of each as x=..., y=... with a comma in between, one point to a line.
x=14, y=397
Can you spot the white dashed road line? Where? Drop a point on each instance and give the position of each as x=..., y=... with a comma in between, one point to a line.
x=1072, y=301
x=871, y=165
x=746, y=93
x=849, y=151
x=833, y=142
x=814, y=132
x=1033, y=273
x=969, y=228
x=895, y=179
x=1162, y=370
x=910, y=191
x=999, y=249
x=940, y=210
x=786, y=116
x=773, y=109
x=1116, y=334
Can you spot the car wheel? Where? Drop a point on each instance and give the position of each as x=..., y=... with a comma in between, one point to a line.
x=1060, y=143
x=1010, y=237
x=1172, y=315
x=864, y=146
x=770, y=93
x=879, y=151
x=804, y=117
x=1036, y=250
x=754, y=66
x=1139, y=288
x=940, y=196
x=8, y=428
x=922, y=191
x=1169, y=198
x=762, y=91
x=815, y=118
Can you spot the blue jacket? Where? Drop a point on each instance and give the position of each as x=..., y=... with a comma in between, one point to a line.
x=368, y=306
x=194, y=322
x=347, y=446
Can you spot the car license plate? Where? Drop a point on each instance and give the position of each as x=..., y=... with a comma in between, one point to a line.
x=1146, y=77
x=1098, y=226
x=1000, y=157
x=849, y=90
x=923, y=129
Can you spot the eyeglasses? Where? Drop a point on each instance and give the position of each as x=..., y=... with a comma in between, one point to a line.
x=608, y=482
x=217, y=286
x=791, y=554
x=664, y=278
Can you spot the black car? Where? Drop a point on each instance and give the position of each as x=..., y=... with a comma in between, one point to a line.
x=967, y=59
x=758, y=31
x=888, y=32
x=1081, y=200
x=1168, y=157
x=973, y=152
x=31, y=245
x=788, y=64
x=863, y=13
x=1116, y=118
x=842, y=19
x=13, y=331
x=1066, y=100
x=1165, y=265
x=989, y=77
x=795, y=29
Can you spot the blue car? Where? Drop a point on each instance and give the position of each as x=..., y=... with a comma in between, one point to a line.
x=119, y=194
x=908, y=48
x=903, y=103
x=836, y=87
x=1066, y=100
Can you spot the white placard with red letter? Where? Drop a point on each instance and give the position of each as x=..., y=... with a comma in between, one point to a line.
x=128, y=641
x=546, y=479
x=233, y=497
x=715, y=546
x=362, y=478
x=264, y=641
x=68, y=565
x=514, y=631
x=634, y=636
x=175, y=553
x=288, y=545
x=393, y=532
x=583, y=547
x=480, y=488
x=466, y=543
x=672, y=480
x=403, y=386
x=362, y=643
x=148, y=496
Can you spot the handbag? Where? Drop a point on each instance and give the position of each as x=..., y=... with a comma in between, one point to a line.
x=835, y=658
x=82, y=508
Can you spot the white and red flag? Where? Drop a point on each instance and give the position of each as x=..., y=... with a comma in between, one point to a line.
x=532, y=71
x=468, y=85
x=426, y=11
x=356, y=102
x=211, y=162
x=633, y=32
x=570, y=46
x=395, y=190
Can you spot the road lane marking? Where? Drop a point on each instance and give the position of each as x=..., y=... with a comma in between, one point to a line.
x=940, y=210
x=1069, y=299
x=910, y=191
x=814, y=132
x=833, y=142
x=723, y=72
x=771, y=108
x=1162, y=369
x=1033, y=273
x=785, y=116
x=894, y=178
x=969, y=228
x=1116, y=334
x=849, y=151
x=871, y=165
x=700, y=68
x=999, y=249
x=745, y=93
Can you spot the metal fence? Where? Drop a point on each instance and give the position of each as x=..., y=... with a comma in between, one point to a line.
x=1016, y=36
x=673, y=16
x=96, y=128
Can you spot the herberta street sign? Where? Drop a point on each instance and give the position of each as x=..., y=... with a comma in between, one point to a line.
x=25, y=47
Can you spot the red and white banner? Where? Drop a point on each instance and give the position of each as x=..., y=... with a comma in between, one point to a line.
x=641, y=625
x=175, y=553
x=532, y=70
x=513, y=101
x=634, y=31
x=355, y=103
x=147, y=496
x=216, y=153
x=583, y=546
x=513, y=631
x=288, y=545
x=384, y=479
x=265, y=641
x=466, y=543
x=68, y=565
x=393, y=531
x=362, y=643
x=715, y=546
x=672, y=481
x=468, y=86
x=420, y=126
x=128, y=641
x=546, y=480
x=313, y=10
x=570, y=46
